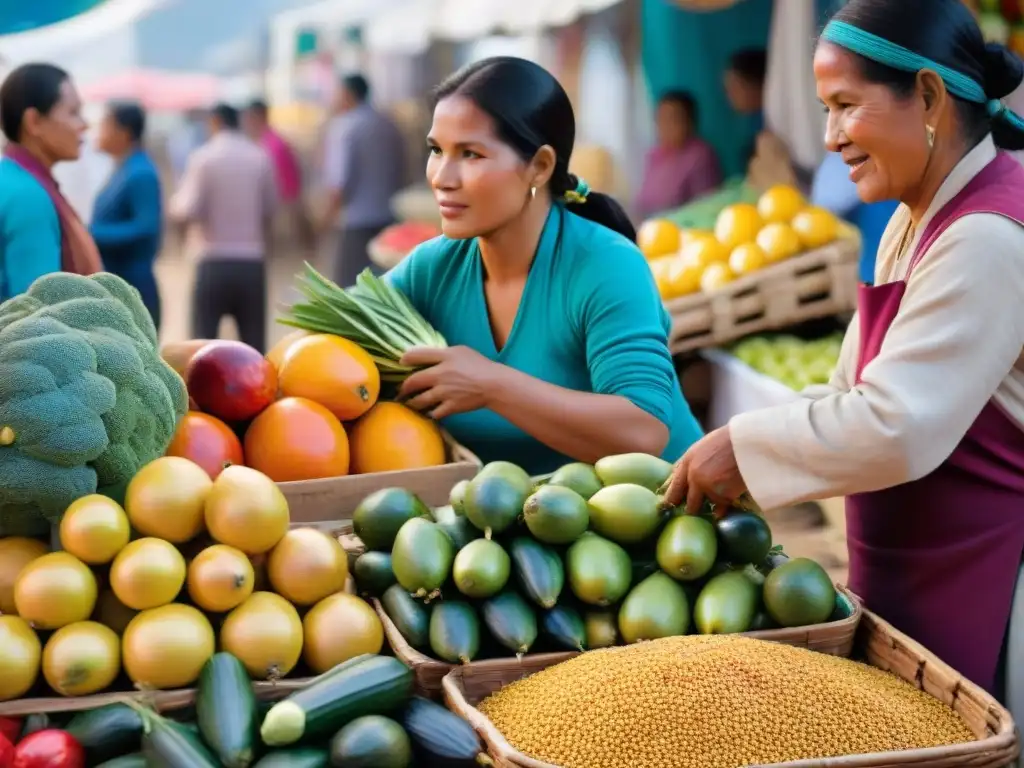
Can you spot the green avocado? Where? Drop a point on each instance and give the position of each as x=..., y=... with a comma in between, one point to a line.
x=687, y=548
x=743, y=537
x=372, y=741
x=481, y=568
x=799, y=593
x=556, y=515
x=494, y=501
x=578, y=477
x=373, y=573
x=656, y=607
x=625, y=513
x=599, y=570
x=636, y=468
x=422, y=558
x=727, y=604
x=379, y=517
x=509, y=471
x=457, y=497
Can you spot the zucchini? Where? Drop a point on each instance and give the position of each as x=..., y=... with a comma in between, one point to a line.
x=226, y=710
x=538, y=570
x=371, y=742
x=441, y=739
x=168, y=744
x=411, y=618
x=565, y=626
x=373, y=573
x=511, y=622
x=106, y=732
x=300, y=757
x=454, y=632
x=367, y=685
x=136, y=760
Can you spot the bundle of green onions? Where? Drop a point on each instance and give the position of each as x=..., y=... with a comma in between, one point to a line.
x=371, y=313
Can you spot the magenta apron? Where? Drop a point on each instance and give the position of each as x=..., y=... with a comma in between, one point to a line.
x=939, y=557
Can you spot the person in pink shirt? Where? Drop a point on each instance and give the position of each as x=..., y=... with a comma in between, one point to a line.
x=682, y=166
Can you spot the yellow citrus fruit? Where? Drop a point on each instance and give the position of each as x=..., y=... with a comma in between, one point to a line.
x=20, y=651
x=747, y=258
x=683, y=279
x=658, y=237
x=166, y=497
x=82, y=659
x=779, y=241
x=94, y=529
x=780, y=203
x=338, y=628
x=220, y=578
x=15, y=554
x=147, y=573
x=703, y=252
x=716, y=276
x=737, y=224
x=55, y=590
x=167, y=647
x=307, y=565
x=816, y=227
x=265, y=633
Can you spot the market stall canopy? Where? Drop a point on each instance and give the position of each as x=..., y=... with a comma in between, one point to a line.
x=156, y=90
x=39, y=28
x=411, y=26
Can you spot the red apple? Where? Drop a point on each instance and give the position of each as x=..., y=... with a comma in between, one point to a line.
x=231, y=380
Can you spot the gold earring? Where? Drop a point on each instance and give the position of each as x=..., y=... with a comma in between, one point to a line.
x=533, y=191
x=930, y=132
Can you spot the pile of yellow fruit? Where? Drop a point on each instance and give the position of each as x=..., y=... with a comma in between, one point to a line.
x=151, y=589
x=746, y=238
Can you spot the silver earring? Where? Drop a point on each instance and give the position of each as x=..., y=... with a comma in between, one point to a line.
x=930, y=131
x=533, y=191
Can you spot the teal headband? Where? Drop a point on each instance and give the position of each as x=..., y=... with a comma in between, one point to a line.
x=888, y=53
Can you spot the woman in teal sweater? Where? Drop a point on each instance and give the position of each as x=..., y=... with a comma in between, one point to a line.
x=558, y=339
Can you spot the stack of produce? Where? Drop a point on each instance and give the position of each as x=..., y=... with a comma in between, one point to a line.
x=745, y=239
x=702, y=212
x=361, y=713
x=591, y=558
x=790, y=360
x=715, y=702
x=149, y=589
x=310, y=409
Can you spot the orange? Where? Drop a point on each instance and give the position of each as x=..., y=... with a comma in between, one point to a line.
x=265, y=633
x=716, y=276
x=15, y=554
x=683, y=279
x=779, y=241
x=332, y=371
x=165, y=499
x=297, y=439
x=339, y=628
x=276, y=354
x=658, y=237
x=206, y=441
x=307, y=565
x=780, y=203
x=703, y=252
x=747, y=258
x=737, y=224
x=816, y=227
x=393, y=437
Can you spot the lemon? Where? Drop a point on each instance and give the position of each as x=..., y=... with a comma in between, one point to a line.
x=55, y=590
x=82, y=659
x=780, y=203
x=20, y=651
x=716, y=276
x=148, y=573
x=747, y=258
x=816, y=227
x=703, y=252
x=94, y=529
x=737, y=224
x=779, y=241
x=658, y=237
x=683, y=279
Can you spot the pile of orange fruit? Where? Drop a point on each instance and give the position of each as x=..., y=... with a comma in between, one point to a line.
x=322, y=419
x=746, y=238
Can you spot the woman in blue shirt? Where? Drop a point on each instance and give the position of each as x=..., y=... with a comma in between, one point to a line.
x=558, y=337
x=127, y=219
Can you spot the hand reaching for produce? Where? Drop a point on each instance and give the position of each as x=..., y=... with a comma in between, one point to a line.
x=707, y=470
x=456, y=381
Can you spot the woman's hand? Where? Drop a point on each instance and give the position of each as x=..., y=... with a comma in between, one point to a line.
x=457, y=381
x=708, y=469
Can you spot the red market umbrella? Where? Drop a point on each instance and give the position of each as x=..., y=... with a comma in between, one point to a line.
x=156, y=90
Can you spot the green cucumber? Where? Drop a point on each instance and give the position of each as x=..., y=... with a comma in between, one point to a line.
x=511, y=622
x=410, y=617
x=168, y=744
x=106, y=732
x=226, y=710
x=373, y=573
x=441, y=738
x=300, y=757
x=371, y=742
x=538, y=570
x=137, y=760
x=454, y=632
x=565, y=626
x=373, y=685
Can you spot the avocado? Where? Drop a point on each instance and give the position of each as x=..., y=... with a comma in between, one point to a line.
x=481, y=568
x=373, y=573
x=727, y=604
x=459, y=530
x=599, y=570
x=556, y=515
x=454, y=632
x=371, y=741
x=539, y=571
x=744, y=537
x=625, y=513
x=510, y=472
x=636, y=468
x=457, y=497
x=687, y=548
x=380, y=516
x=511, y=622
x=494, y=501
x=602, y=629
x=565, y=627
x=656, y=607
x=422, y=558
x=799, y=593
x=578, y=477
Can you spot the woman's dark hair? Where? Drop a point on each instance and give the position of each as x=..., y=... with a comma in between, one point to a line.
x=131, y=118
x=946, y=32
x=685, y=101
x=30, y=86
x=530, y=110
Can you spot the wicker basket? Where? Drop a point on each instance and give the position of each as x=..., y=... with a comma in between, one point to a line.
x=816, y=284
x=878, y=643
x=834, y=637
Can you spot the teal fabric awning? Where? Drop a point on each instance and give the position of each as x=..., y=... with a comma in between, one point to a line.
x=22, y=17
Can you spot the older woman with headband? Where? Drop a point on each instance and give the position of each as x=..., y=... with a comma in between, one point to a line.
x=922, y=425
x=558, y=339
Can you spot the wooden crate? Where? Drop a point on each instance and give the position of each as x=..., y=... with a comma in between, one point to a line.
x=816, y=284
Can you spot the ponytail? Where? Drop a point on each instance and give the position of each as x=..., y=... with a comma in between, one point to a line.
x=594, y=206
